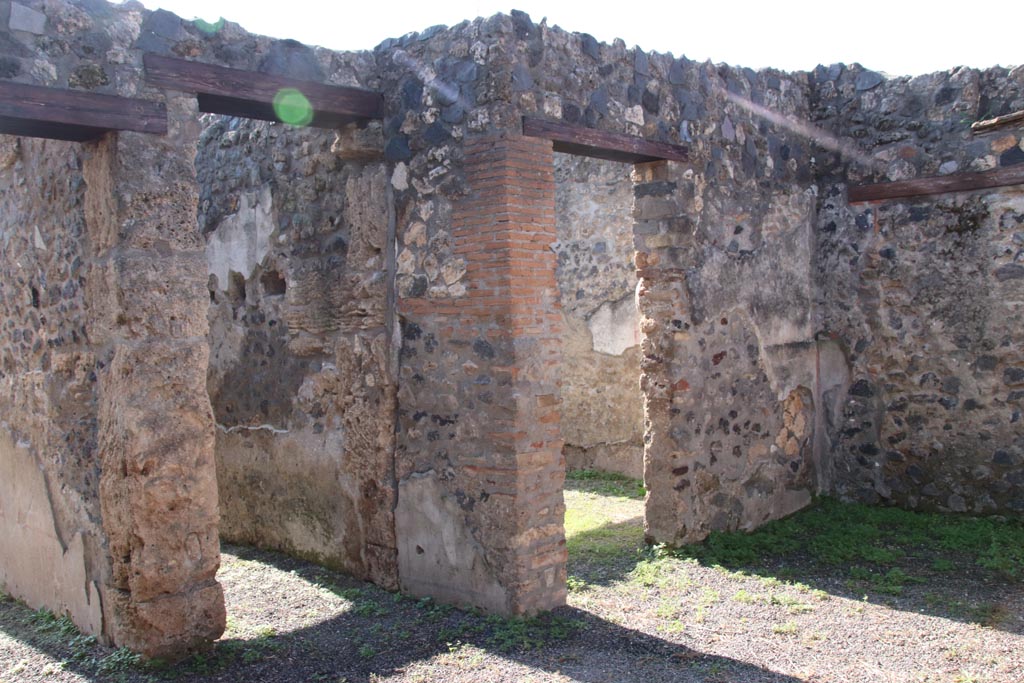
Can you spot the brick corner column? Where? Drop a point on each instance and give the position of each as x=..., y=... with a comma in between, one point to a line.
x=507, y=328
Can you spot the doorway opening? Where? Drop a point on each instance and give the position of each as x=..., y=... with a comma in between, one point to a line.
x=602, y=404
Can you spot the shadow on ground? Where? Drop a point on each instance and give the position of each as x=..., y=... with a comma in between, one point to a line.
x=383, y=634
x=953, y=568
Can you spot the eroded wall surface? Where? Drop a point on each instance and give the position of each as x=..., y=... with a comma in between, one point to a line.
x=925, y=295
x=723, y=257
x=602, y=407
x=51, y=536
x=147, y=298
x=301, y=375
x=725, y=289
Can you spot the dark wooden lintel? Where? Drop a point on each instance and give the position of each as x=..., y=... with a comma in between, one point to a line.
x=76, y=115
x=236, y=92
x=998, y=121
x=601, y=144
x=956, y=182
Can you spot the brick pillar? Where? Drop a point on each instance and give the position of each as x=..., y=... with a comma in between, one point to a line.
x=507, y=473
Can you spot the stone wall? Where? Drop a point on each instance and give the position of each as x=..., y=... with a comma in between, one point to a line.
x=478, y=457
x=723, y=253
x=301, y=375
x=51, y=536
x=602, y=407
x=924, y=296
x=109, y=508
x=389, y=391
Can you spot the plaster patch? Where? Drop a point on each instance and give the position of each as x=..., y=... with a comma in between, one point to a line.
x=437, y=554
x=242, y=240
x=615, y=326
x=37, y=568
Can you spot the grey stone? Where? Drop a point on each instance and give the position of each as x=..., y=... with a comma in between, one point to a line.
x=868, y=80
x=640, y=62
x=590, y=46
x=397, y=149
x=1009, y=271
x=522, y=23
x=956, y=503
x=677, y=71
x=27, y=19
x=1002, y=458
x=292, y=59
x=651, y=102
x=1012, y=156
x=466, y=71
x=9, y=67
x=522, y=79
x=454, y=113
x=428, y=33
x=599, y=100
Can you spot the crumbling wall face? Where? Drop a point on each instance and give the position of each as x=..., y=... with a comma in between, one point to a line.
x=52, y=544
x=724, y=259
x=108, y=437
x=147, y=310
x=602, y=407
x=728, y=353
x=723, y=254
x=924, y=296
x=300, y=375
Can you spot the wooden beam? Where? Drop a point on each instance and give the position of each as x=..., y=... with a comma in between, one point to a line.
x=75, y=115
x=589, y=142
x=996, y=122
x=250, y=94
x=957, y=182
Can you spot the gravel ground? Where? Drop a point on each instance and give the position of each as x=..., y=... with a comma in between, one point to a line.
x=633, y=615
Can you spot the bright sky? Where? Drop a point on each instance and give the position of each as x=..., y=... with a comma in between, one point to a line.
x=894, y=36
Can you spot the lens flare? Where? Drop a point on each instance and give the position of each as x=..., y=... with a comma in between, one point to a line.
x=816, y=135
x=446, y=92
x=292, y=107
x=208, y=28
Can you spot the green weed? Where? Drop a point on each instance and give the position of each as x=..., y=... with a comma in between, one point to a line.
x=516, y=634
x=120, y=661
x=872, y=540
x=786, y=629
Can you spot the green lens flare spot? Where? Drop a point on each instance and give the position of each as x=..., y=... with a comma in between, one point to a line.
x=292, y=107
x=208, y=28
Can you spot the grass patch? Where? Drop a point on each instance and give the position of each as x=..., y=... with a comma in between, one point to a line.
x=873, y=541
x=605, y=483
x=603, y=525
x=787, y=629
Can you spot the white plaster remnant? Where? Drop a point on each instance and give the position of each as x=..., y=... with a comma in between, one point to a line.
x=40, y=243
x=635, y=114
x=39, y=567
x=242, y=240
x=437, y=554
x=400, y=177
x=615, y=326
x=251, y=428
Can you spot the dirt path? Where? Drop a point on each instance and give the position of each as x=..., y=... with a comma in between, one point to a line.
x=634, y=615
